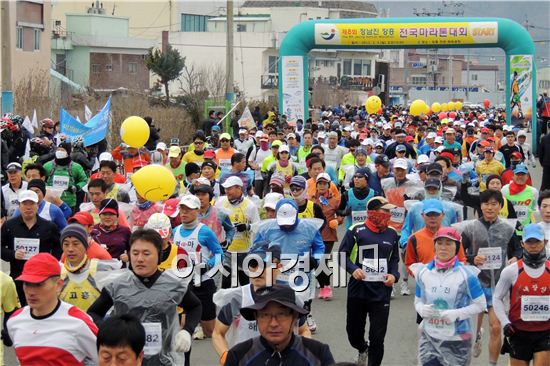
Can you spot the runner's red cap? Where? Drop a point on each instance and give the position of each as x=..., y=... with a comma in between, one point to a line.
x=39, y=268
x=82, y=218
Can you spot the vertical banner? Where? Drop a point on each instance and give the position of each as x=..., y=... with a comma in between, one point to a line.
x=521, y=89
x=7, y=102
x=293, y=87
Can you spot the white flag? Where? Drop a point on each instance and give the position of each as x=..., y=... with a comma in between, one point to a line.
x=96, y=165
x=34, y=120
x=246, y=119
x=87, y=113
x=27, y=154
x=28, y=125
x=78, y=119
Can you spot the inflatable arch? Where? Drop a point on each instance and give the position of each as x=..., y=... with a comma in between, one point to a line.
x=384, y=33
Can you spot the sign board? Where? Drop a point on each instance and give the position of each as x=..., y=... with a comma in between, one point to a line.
x=521, y=88
x=293, y=87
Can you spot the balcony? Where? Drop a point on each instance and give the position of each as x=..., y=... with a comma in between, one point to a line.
x=270, y=81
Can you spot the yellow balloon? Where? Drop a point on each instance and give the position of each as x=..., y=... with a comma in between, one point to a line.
x=436, y=107
x=373, y=104
x=426, y=109
x=451, y=106
x=134, y=131
x=417, y=107
x=154, y=182
x=458, y=106
x=444, y=107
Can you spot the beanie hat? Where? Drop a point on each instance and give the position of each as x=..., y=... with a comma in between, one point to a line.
x=298, y=181
x=277, y=179
x=211, y=164
x=38, y=183
x=109, y=205
x=192, y=168
x=66, y=146
x=75, y=231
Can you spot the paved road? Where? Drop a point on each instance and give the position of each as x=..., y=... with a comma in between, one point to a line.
x=401, y=339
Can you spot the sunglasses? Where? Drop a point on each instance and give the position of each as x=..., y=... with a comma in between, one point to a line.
x=296, y=189
x=199, y=142
x=224, y=140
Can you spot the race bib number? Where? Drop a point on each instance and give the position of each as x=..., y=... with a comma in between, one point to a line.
x=493, y=258
x=30, y=246
x=60, y=182
x=153, y=338
x=398, y=214
x=439, y=328
x=522, y=212
x=375, y=270
x=358, y=216
x=535, y=308
x=225, y=163
x=285, y=276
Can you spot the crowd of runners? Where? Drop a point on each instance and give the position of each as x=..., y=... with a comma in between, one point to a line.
x=440, y=207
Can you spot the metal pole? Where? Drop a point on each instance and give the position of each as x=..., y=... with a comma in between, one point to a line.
x=468, y=75
x=6, y=46
x=229, y=53
x=406, y=77
x=450, y=83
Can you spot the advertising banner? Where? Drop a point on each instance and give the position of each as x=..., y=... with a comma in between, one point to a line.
x=293, y=87
x=521, y=88
x=93, y=131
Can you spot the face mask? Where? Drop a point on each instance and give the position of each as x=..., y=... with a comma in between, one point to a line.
x=61, y=154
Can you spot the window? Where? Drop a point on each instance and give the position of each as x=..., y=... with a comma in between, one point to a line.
x=272, y=65
x=318, y=63
x=347, y=67
x=37, y=34
x=366, y=68
x=419, y=80
x=356, y=67
x=108, y=67
x=132, y=67
x=193, y=23
x=241, y=27
x=96, y=68
x=19, y=37
x=474, y=77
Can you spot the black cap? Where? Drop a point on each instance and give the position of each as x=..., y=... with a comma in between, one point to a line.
x=211, y=164
x=382, y=160
x=192, y=168
x=434, y=168
x=280, y=294
x=432, y=183
x=109, y=205
x=201, y=188
x=38, y=183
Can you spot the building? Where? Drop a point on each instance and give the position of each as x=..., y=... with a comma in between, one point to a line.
x=94, y=50
x=543, y=80
x=29, y=39
x=482, y=76
x=259, y=28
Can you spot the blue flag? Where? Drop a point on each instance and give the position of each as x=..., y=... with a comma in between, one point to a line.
x=92, y=132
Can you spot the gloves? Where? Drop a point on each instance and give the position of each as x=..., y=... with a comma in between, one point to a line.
x=182, y=343
x=6, y=338
x=450, y=316
x=224, y=244
x=509, y=330
x=427, y=311
x=333, y=224
x=72, y=189
x=240, y=227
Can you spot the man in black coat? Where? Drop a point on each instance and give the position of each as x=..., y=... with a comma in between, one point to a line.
x=544, y=158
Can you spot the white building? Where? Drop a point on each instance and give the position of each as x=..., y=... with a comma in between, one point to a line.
x=481, y=76
x=259, y=28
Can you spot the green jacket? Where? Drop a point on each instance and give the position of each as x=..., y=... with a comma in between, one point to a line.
x=77, y=179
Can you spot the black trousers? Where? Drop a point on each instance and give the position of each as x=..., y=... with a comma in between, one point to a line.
x=241, y=275
x=545, y=178
x=322, y=277
x=356, y=321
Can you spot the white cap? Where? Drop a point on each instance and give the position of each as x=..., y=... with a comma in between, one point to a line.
x=324, y=176
x=439, y=139
x=321, y=135
x=400, y=163
x=368, y=141
x=522, y=133
x=422, y=159
x=286, y=214
x=161, y=146
x=387, y=127
x=27, y=195
x=202, y=181
x=232, y=181
x=242, y=130
x=440, y=149
x=271, y=199
x=105, y=156
x=259, y=134
x=431, y=135
x=291, y=135
x=160, y=223
x=283, y=148
x=190, y=201
x=348, y=128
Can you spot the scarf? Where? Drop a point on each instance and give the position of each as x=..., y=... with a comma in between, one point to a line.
x=237, y=201
x=63, y=162
x=284, y=163
x=190, y=225
x=377, y=221
x=516, y=188
x=264, y=145
x=445, y=265
x=76, y=268
x=534, y=260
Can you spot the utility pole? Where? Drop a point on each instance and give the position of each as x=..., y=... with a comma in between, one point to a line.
x=6, y=45
x=229, y=91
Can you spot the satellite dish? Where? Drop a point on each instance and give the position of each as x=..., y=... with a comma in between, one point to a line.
x=376, y=90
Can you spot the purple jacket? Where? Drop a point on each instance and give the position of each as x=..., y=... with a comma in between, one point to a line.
x=117, y=240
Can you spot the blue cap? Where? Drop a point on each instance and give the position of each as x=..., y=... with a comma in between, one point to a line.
x=432, y=205
x=216, y=128
x=533, y=231
x=521, y=169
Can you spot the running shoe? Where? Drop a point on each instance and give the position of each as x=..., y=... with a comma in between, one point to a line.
x=405, y=289
x=478, y=344
x=198, y=333
x=312, y=325
x=322, y=293
x=392, y=296
x=328, y=294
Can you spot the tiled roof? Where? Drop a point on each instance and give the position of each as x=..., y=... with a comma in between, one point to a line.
x=344, y=4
